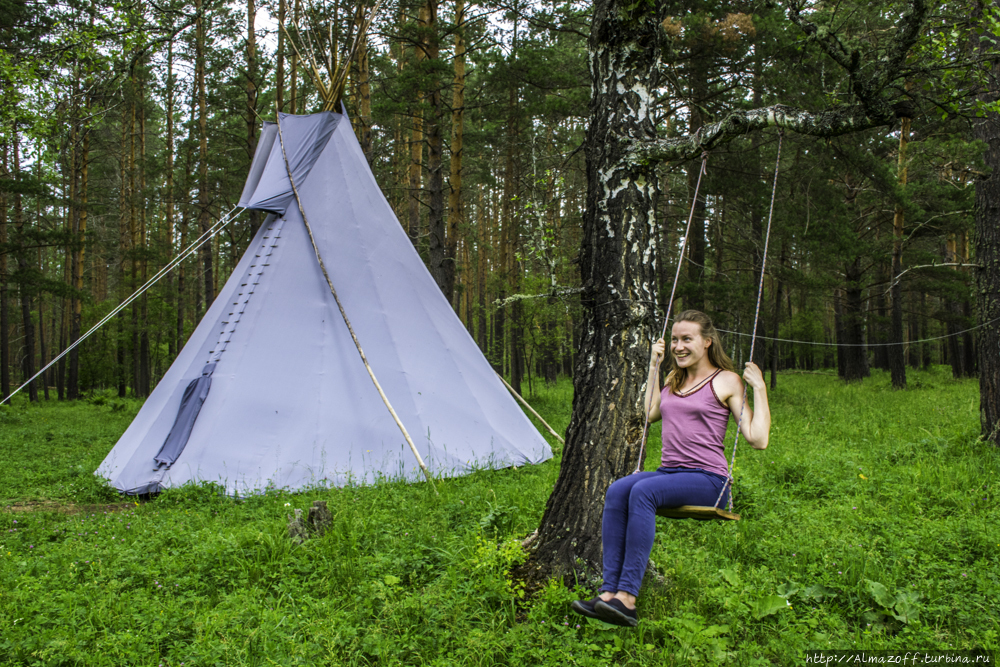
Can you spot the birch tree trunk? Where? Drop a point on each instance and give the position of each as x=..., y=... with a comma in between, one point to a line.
x=618, y=254
x=618, y=266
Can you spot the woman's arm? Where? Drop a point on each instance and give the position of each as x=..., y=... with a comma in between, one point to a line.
x=652, y=400
x=756, y=426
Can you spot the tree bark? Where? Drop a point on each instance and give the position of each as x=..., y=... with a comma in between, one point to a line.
x=364, y=95
x=294, y=72
x=897, y=364
x=457, y=136
x=4, y=315
x=22, y=265
x=80, y=234
x=204, y=218
x=279, y=75
x=256, y=217
x=618, y=266
x=173, y=344
x=987, y=249
x=852, y=347
x=417, y=139
x=437, y=246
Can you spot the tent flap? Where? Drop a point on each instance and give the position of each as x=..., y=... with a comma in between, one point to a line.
x=194, y=397
x=304, y=139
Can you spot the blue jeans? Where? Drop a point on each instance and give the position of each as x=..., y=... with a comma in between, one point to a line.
x=629, y=522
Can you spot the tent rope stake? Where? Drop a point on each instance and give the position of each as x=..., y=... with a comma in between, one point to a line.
x=343, y=314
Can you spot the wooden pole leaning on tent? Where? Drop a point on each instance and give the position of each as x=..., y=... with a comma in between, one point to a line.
x=343, y=314
x=525, y=404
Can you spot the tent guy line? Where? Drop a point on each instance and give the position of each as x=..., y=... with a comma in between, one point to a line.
x=191, y=249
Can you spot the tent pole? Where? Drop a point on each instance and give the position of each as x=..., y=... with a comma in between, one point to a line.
x=343, y=314
x=525, y=404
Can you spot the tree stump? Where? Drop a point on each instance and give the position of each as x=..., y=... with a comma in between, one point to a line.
x=297, y=531
x=320, y=518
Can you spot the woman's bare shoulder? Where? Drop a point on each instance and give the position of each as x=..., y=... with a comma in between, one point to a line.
x=726, y=384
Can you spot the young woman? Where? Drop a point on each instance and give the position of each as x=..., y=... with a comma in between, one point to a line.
x=702, y=390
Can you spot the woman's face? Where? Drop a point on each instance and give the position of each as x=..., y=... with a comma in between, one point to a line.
x=687, y=344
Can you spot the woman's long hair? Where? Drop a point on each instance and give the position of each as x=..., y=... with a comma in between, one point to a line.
x=716, y=354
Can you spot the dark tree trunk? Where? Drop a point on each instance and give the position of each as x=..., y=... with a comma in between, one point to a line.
x=968, y=343
x=987, y=130
x=839, y=333
x=4, y=316
x=880, y=330
x=204, y=197
x=28, y=362
x=852, y=346
x=776, y=330
x=913, y=348
x=602, y=441
x=897, y=364
x=437, y=255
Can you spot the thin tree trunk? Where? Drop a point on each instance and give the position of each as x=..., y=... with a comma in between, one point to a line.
x=437, y=248
x=134, y=244
x=776, y=330
x=4, y=315
x=183, y=233
x=897, y=365
x=987, y=249
x=280, y=67
x=695, y=294
x=954, y=309
x=364, y=97
x=457, y=135
x=417, y=139
x=173, y=343
x=22, y=265
x=482, y=223
x=145, y=369
x=124, y=238
x=854, y=351
x=294, y=73
x=255, y=217
x=204, y=218
x=42, y=359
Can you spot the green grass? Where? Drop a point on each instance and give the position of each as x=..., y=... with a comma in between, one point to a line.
x=868, y=523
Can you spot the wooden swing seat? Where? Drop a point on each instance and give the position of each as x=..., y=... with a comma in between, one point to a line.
x=696, y=512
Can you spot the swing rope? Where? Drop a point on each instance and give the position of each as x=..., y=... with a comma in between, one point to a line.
x=756, y=317
x=670, y=302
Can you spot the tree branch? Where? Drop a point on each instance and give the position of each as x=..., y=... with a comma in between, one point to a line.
x=832, y=123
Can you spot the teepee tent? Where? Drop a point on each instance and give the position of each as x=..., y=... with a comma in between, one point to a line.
x=270, y=390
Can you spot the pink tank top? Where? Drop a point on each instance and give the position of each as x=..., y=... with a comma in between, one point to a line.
x=694, y=429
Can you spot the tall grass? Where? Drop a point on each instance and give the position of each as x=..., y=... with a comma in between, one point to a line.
x=867, y=523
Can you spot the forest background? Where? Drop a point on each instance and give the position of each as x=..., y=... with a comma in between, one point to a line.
x=127, y=130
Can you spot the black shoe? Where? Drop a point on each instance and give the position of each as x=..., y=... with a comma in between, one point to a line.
x=615, y=612
x=585, y=607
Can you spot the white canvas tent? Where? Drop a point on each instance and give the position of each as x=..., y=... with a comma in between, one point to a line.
x=270, y=390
